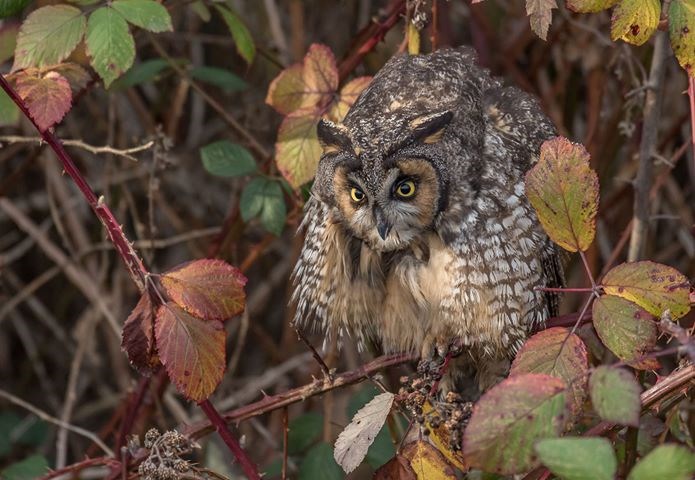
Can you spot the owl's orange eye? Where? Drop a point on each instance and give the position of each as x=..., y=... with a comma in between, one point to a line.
x=356, y=194
x=405, y=189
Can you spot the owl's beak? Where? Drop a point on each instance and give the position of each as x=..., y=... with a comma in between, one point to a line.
x=383, y=226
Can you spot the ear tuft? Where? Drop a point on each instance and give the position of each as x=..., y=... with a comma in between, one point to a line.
x=430, y=128
x=334, y=137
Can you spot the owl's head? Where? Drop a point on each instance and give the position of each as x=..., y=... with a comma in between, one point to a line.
x=387, y=199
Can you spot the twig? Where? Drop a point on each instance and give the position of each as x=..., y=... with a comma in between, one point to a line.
x=125, y=153
x=324, y=368
x=48, y=418
x=216, y=419
x=668, y=326
x=74, y=468
x=317, y=387
x=652, y=112
x=285, y=430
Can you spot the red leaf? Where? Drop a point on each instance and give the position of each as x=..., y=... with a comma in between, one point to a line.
x=209, y=289
x=48, y=98
x=191, y=349
x=398, y=468
x=138, y=337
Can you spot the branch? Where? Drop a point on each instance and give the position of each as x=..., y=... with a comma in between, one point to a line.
x=125, y=153
x=317, y=387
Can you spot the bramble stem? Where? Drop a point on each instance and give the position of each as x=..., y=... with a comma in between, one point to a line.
x=230, y=440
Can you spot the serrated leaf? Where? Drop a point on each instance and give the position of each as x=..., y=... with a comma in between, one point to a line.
x=382, y=450
x=298, y=151
x=138, y=336
x=109, y=44
x=263, y=198
x=672, y=462
x=634, y=21
x=398, y=468
x=303, y=431
x=286, y=92
x=652, y=286
x=319, y=463
x=627, y=330
x=590, y=6
x=347, y=98
x=75, y=74
x=9, y=113
x=427, y=462
x=354, y=441
x=320, y=74
x=48, y=98
x=540, y=14
x=219, y=77
x=681, y=25
x=191, y=349
x=146, y=71
x=227, y=159
x=30, y=468
x=208, y=289
x=578, y=458
x=563, y=190
x=615, y=395
x=48, y=35
x=8, y=39
x=508, y=420
x=147, y=14
x=12, y=7
x=558, y=353
x=240, y=33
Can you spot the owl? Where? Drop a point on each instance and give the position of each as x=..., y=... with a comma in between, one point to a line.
x=417, y=232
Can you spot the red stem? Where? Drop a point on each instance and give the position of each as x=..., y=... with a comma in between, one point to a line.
x=216, y=419
x=691, y=95
x=137, y=270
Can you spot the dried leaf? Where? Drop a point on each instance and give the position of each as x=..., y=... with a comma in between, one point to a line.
x=440, y=438
x=354, y=441
x=627, y=330
x=208, y=289
x=48, y=98
x=427, y=462
x=564, y=191
x=681, y=25
x=615, y=395
x=297, y=151
x=138, y=336
x=578, y=458
x=48, y=35
x=558, y=353
x=109, y=44
x=398, y=468
x=348, y=96
x=540, y=14
x=590, y=6
x=191, y=349
x=672, y=462
x=652, y=286
x=509, y=419
x=634, y=21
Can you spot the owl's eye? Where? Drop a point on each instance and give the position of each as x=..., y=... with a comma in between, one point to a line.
x=405, y=189
x=356, y=194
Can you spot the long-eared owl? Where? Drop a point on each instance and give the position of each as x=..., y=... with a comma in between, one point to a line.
x=418, y=232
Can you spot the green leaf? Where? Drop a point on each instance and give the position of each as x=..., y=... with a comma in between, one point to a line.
x=509, y=419
x=672, y=462
x=146, y=14
x=652, y=286
x=681, y=28
x=578, y=458
x=48, y=35
x=627, y=330
x=201, y=10
x=615, y=395
x=28, y=469
x=144, y=72
x=242, y=36
x=8, y=39
x=227, y=159
x=303, y=432
x=263, y=198
x=634, y=21
x=11, y=7
x=9, y=113
x=298, y=151
x=109, y=44
x=319, y=463
x=219, y=77
x=590, y=6
x=563, y=190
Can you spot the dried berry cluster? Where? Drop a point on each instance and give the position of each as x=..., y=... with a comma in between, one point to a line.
x=448, y=416
x=164, y=461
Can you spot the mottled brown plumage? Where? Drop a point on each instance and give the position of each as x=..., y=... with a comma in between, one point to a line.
x=418, y=231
